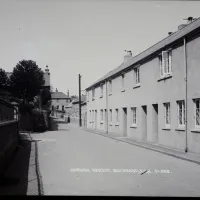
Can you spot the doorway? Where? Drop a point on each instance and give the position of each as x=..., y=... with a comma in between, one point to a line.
x=124, y=122
x=155, y=123
x=144, y=122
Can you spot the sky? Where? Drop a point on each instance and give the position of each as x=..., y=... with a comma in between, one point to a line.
x=86, y=37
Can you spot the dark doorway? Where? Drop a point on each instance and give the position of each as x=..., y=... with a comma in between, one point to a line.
x=124, y=121
x=144, y=122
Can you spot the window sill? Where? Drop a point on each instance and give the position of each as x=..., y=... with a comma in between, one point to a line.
x=133, y=126
x=101, y=122
x=166, y=128
x=164, y=77
x=180, y=129
x=195, y=130
x=101, y=96
x=117, y=124
x=122, y=90
x=136, y=86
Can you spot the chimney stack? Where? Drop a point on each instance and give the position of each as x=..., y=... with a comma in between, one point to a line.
x=128, y=55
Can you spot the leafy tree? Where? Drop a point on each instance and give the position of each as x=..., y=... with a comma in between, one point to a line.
x=26, y=80
x=4, y=81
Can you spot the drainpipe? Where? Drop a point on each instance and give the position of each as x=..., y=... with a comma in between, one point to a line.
x=186, y=117
x=106, y=105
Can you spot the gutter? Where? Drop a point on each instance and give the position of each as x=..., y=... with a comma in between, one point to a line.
x=186, y=117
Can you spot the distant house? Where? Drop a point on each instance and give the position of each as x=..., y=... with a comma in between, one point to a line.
x=59, y=102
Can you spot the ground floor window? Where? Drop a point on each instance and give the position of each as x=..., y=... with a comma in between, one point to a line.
x=134, y=115
x=197, y=113
x=117, y=116
x=110, y=116
x=181, y=114
x=167, y=114
x=102, y=115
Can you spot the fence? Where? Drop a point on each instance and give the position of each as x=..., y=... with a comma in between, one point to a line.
x=9, y=134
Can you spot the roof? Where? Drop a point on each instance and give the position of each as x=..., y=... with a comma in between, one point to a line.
x=153, y=49
x=59, y=95
x=83, y=98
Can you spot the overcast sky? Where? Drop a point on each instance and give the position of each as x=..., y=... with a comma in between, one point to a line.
x=82, y=36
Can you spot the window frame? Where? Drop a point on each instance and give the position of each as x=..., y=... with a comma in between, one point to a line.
x=182, y=126
x=110, y=87
x=101, y=90
x=93, y=93
x=137, y=75
x=134, y=116
x=195, y=112
x=162, y=66
x=123, y=82
x=167, y=118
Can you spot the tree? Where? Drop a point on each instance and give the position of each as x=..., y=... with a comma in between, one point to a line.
x=26, y=80
x=4, y=81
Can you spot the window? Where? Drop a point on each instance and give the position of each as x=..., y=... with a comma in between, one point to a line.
x=88, y=96
x=165, y=63
x=101, y=90
x=181, y=114
x=123, y=82
x=93, y=93
x=110, y=116
x=197, y=113
x=101, y=116
x=137, y=75
x=134, y=116
x=110, y=87
x=167, y=114
x=117, y=116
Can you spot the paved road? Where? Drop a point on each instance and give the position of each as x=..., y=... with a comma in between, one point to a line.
x=71, y=149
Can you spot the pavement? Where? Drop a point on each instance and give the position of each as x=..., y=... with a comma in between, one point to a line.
x=22, y=177
x=73, y=161
x=151, y=146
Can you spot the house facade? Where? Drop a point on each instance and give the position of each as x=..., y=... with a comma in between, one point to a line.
x=153, y=97
x=59, y=103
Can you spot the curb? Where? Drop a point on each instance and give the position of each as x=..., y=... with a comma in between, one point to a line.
x=143, y=146
x=38, y=174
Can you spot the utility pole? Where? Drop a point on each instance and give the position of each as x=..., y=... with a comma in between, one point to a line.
x=79, y=80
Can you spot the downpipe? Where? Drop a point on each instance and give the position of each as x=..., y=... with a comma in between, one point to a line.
x=186, y=117
x=106, y=106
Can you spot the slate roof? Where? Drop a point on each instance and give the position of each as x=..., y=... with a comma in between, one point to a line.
x=153, y=49
x=59, y=95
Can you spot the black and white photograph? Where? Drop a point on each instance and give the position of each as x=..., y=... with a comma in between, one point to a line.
x=100, y=98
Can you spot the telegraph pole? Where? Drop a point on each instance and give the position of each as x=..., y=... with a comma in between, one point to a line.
x=79, y=80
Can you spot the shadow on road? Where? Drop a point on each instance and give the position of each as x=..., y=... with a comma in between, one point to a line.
x=15, y=181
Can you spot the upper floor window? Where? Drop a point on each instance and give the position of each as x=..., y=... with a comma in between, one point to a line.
x=181, y=114
x=165, y=63
x=63, y=108
x=87, y=95
x=137, y=75
x=167, y=114
x=101, y=86
x=197, y=113
x=93, y=93
x=110, y=87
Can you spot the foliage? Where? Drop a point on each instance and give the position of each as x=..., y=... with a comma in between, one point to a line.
x=45, y=96
x=26, y=80
x=4, y=80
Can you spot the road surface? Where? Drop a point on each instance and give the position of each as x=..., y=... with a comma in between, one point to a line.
x=77, y=162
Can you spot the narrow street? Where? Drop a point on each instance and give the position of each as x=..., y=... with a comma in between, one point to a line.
x=77, y=162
